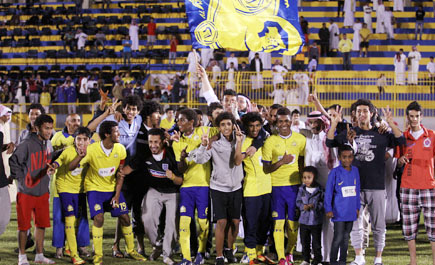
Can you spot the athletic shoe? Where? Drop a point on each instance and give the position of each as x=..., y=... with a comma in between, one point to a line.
x=77, y=261
x=289, y=259
x=24, y=261
x=67, y=252
x=207, y=255
x=235, y=250
x=168, y=261
x=136, y=256
x=157, y=251
x=59, y=253
x=283, y=262
x=44, y=260
x=220, y=261
x=98, y=260
x=253, y=262
x=83, y=251
x=228, y=254
x=356, y=263
x=379, y=263
x=199, y=259
x=185, y=262
x=266, y=259
x=305, y=263
x=245, y=259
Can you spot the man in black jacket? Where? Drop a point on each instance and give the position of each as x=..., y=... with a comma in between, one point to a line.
x=324, y=40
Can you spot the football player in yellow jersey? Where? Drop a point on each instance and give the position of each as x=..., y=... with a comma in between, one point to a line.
x=283, y=159
x=69, y=185
x=103, y=186
x=257, y=188
x=169, y=121
x=194, y=192
x=60, y=141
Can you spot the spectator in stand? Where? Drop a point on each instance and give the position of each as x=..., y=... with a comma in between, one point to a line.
x=151, y=37
x=175, y=92
x=126, y=52
x=39, y=83
x=278, y=73
x=349, y=13
x=69, y=40
x=256, y=66
x=430, y=67
x=81, y=38
x=45, y=99
x=117, y=89
x=414, y=58
x=300, y=60
x=206, y=56
x=192, y=59
x=356, y=37
x=169, y=121
x=60, y=98
x=244, y=67
x=233, y=59
x=388, y=23
x=33, y=90
x=345, y=46
x=380, y=17
x=71, y=99
x=219, y=55
x=398, y=5
x=314, y=51
x=400, y=67
x=305, y=28
x=173, y=51
x=419, y=21
x=297, y=124
x=127, y=78
x=84, y=93
x=334, y=37
x=312, y=65
x=133, y=32
x=324, y=40
x=381, y=83
x=100, y=39
x=365, y=35
x=340, y=6
x=368, y=16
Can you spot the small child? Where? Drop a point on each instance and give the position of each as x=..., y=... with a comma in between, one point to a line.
x=381, y=83
x=310, y=203
x=342, y=202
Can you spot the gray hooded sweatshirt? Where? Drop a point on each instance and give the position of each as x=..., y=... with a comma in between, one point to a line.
x=226, y=176
x=28, y=164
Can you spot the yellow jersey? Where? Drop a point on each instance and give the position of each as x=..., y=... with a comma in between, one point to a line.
x=196, y=175
x=61, y=140
x=166, y=124
x=274, y=149
x=101, y=174
x=68, y=181
x=256, y=182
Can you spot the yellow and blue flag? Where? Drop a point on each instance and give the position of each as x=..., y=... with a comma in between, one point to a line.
x=255, y=25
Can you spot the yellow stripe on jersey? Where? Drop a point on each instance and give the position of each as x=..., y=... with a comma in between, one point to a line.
x=166, y=124
x=256, y=182
x=68, y=181
x=59, y=140
x=196, y=175
x=274, y=149
x=101, y=174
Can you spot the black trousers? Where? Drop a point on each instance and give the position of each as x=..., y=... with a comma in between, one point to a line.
x=311, y=235
x=340, y=242
x=324, y=48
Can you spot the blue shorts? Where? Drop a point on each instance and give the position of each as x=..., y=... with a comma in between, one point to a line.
x=284, y=200
x=194, y=197
x=72, y=203
x=99, y=202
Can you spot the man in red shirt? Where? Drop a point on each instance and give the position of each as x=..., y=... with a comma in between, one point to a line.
x=173, y=51
x=417, y=189
x=151, y=38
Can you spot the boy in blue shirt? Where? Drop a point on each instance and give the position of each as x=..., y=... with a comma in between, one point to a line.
x=342, y=202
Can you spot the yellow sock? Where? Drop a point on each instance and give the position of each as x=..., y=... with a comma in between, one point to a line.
x=70, y=232
x=97, y=238
x=292, y=234
x=259, y=250
x=252, y=254
x=278, y=235
x=203, y=235
x=127, y=231
x=185, y=236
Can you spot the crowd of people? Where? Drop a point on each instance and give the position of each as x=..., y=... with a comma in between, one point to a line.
x=240, y=165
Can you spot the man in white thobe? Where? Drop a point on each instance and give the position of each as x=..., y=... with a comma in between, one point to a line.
x=302, y=80
x=266, y=58
x=368, y=16
x=356, y=39
x=349, y=13
x=414, y=56
x=278, y=73
x=334, y=36
x=206, y=56
x=134, y=36
x=81, y=39
x=400, y=67
x=380, y=15
x=388, y=23
x=191, y=69
x=232, y=59
x=430, y=67
x=287, y=61
x=398, y=5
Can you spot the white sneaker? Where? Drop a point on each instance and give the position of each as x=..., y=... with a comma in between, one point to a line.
x=168, y=261
x=44, y=260
x=23, y=261
x=305, y=263
x=245, y=259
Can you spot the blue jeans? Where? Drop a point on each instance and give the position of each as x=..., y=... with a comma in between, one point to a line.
x=340, y=242
x=419, y=27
